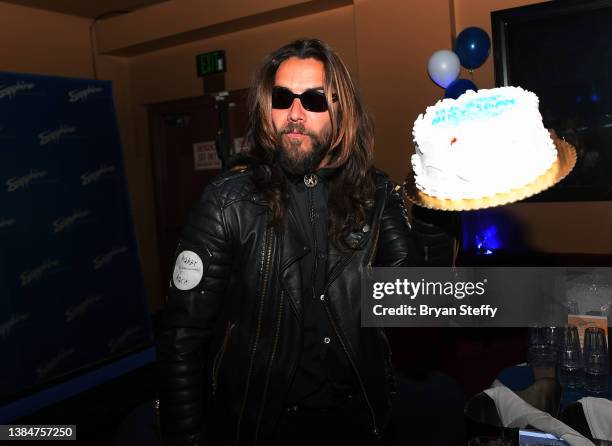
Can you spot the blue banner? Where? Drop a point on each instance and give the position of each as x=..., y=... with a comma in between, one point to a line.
x=71, y=288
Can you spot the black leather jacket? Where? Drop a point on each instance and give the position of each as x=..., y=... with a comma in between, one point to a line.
x=229, y=347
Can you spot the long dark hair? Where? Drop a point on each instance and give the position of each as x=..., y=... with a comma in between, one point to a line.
x=351, y=148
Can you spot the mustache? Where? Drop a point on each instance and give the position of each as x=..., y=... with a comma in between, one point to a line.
x=296, y=128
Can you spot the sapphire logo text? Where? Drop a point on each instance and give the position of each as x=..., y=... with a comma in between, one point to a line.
x=7, y=327
x=64, y=223
x=114, y=344
x=105, y=259
x=94, y=176
x=55, y=135
x=81, y=95
x=12, y=90
x=6, y=222
x=80, y=309
x=27, y=277
x=13, y=184
x=47, y=368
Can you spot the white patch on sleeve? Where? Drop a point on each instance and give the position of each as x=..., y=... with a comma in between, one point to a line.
x=188, y=270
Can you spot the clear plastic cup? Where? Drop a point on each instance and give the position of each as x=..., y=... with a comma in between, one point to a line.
x=596, y=362
x=570, y=365
x=543, y=346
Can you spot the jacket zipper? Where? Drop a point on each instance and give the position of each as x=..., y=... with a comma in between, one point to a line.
x=392, y=381
x=266, y=255
x=272, y=355
x=384, y=336
x=219, y=356
x=373, y=252
x=313, y=275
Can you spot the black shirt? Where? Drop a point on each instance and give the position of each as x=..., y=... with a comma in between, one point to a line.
x=324, y=376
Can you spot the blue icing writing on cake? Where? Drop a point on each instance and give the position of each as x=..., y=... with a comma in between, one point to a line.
x=478, y=108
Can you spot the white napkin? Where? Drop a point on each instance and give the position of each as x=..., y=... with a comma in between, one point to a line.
x=598, y=412
x=514, y=412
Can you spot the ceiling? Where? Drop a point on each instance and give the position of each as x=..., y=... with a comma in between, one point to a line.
x=86, y=8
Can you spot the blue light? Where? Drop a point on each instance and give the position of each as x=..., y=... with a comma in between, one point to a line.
x=595, y=97
x=487, y=241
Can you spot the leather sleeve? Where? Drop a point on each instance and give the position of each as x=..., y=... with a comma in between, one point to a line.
x=435, y=233
x=187, y=321
x=428, y=242
x=396, y=246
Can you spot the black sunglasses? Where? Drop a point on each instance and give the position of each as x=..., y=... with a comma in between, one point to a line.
x=312, y=100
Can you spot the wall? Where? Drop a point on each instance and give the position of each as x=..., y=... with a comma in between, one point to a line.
x=40, y=42
x=180, y=21
x=394, y=40
x=170, y=73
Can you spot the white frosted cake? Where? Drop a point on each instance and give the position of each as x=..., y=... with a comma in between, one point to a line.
x=483, y=143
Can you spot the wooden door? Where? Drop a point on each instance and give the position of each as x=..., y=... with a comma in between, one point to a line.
x=183, y=134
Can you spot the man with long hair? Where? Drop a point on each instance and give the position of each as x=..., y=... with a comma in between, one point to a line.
x=262, y=341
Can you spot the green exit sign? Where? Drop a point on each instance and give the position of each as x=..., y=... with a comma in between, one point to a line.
x=210, y=63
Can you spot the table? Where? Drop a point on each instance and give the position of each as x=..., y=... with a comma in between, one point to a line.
x=520, y=377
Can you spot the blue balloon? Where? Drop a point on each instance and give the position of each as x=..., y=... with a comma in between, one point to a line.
x=458, y=87
x=472, y=46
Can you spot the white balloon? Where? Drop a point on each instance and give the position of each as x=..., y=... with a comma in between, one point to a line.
x=444, y=67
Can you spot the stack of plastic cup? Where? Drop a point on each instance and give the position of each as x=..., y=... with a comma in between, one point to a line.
x=596, y=362
x=570, y=365
x=543, y=346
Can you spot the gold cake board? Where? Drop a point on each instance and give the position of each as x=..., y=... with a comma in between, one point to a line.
x=566, y=159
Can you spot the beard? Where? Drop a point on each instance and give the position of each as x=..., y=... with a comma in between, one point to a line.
x=297, y=162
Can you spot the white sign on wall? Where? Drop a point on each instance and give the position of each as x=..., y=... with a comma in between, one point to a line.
x=205, y=156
